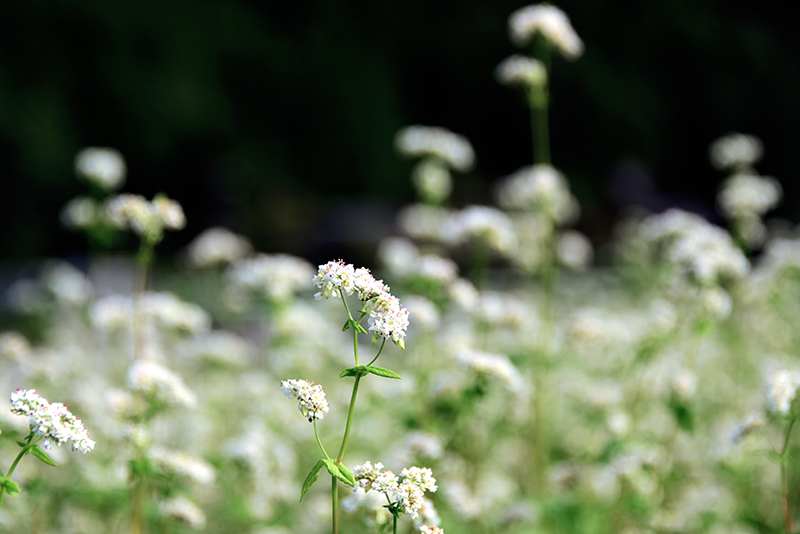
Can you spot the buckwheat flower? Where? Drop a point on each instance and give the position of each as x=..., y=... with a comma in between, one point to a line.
x=334, y=277
x=428, y=516
x=398, y=254
x=182, y=465
x=68, y=284
x=411, y=491
x=170, y=212
x=104, y=167
x=495, y=365
x=716, y=302
x=431, y=530
x=521, y=70
x=464, y=293
x=185, y=511
x=435, y=268
x=388, y=319
x=372, y=502
x=781, y=390
x=574, y=250
x=80, y=213
x=482, y=224
x=15, y=346
x=131, y=212
x=422, y=221
x=540, y=188
x=366, y=286
x=52, y=422
x=219, y=347
x=550, y=22
x=424, y=311
x=684, y=384
x=216, y=246
x=735, y=151
x=313, y=404
x=453, y=149
x=158, y=383
x=749, y=195
x=366, y=474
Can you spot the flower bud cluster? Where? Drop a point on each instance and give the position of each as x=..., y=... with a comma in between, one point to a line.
x=313, y=404
x=387, y=319
x=549, y=21
x=53, y=422
x=406, y=490
x=453, y=149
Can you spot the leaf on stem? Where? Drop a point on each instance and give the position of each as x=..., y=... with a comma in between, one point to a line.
x=311, y=478
x=354, y=371
x=340, y=472
x=380, y=371
x=9, y=485
x=42, y=456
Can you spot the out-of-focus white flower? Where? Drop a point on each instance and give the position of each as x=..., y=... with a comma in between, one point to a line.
x=716, y=302
x=662, y=316
x=749, y=195
x=398, y=255
x=104, y=167
x=80, y=212
x=549, y=21
x=435, y=268
x=483, y=225
x=432, y=179
x=421, y=221
x=182, y=465
x=495, y=365
x=428, y=518
x=278, y=276
x=684, y=384
x=424, y=311
x=574, y=250
x=217, y=346
x=521, y=70
x=464, y=293
x=146, y=219
x=782, y=388
x=541, y=188
x=217, y=246
x=453, y=149
x=171, y=312
x=159, y=384
x=423, y=445
x=313, y=404
x=15, y=346
x=52, y=422
x=373, y=502
x=170, y=212
x=183, y=510
x=67, y=283
x=736, y=151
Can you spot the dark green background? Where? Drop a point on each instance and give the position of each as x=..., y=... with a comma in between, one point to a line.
x=276, y=119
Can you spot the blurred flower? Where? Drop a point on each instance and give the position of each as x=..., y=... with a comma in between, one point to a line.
x=312, y=399
x=481, y=225
x=574, y=250
x=736, y=151
x=782, y=389
x=159, y=384
x=453, y=149
x=15, y=346
x=104, y=167
x=80, y=213
x=217, y=246
x=278, y=276
x=749, y=195
x=432, y=180
x=185, y=511
x=182, y=465
x=521, y=70
x=496, y=366
x=146, y=219
x=540, y=188
x=550, y=22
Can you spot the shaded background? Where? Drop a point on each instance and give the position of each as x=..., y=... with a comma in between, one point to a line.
x=276, y=119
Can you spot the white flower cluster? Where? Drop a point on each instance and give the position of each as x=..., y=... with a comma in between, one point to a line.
x=541, y=188
x=735, y=151
x=703, y=250
x=782, y=388
x=104, y=167
x=387, y=319
x=431, y=530
x=80, y=212
x=183, y=510
x=155, y=381
x=51, y=421
x=181, y=465
x=453, y=149
x=495, y=365
x=481, y=224
x=422, y=221
x=217, y=246
x=407, y=490
x=313, y=404
x=167, y=310
x=574, y=250
x=143, y=217
x=15, y=346
x=276, y=275
x=521, y=70
x=749, y=195
x=550, y=22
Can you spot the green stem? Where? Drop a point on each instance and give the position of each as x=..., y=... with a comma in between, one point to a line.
x=11, y=469
x=316, y=435
x=349, y=421
x=334, y=505
x=787, y=514
x=383, y=343
x=144, y=259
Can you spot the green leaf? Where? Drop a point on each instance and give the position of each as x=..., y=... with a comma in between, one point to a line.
x=351, y=478
x=42, y=456
x=380, y=371
x=360, y=329
x=347, y=324
x=21, y=443
x=354, y=371
x=9, y=485
x=311, y=478
x=336, y=472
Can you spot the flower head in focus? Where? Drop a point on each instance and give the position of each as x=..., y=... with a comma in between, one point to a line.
x=313, y=404
x=548, y=21
x=53, y=422
x=405, y=492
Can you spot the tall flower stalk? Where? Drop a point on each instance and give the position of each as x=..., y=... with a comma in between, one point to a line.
x=386, y=319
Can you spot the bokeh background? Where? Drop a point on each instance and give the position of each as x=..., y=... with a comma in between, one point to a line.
x=276, y=119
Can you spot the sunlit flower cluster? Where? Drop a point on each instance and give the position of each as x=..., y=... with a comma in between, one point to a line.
x=145, y=218
x=313, y=404
x=182, y=465
x=481, y=225
x=548, y=21
x=53, y=422
x=406, y=490
x=453, y=149
x=540, y=188
x=736, y=151
x=104, y=167
x=159, y=384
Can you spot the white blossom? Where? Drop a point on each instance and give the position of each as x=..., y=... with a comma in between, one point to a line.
x=53, y=422
x=104, y=167
x=736, y=151
x=185, y=511
x=217, y=246
x=158, y=383
x=453, y=149
x=549, y=21
x=521, y=70
x=540, y=188
x=182, y=465
x=313, y=404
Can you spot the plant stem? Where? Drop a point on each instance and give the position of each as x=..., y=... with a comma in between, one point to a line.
x=383, y=343
x=349, y=420
x=334, y=506
x=316, y=435
x=11, y=469
x=787, y=514
x=143, y=261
